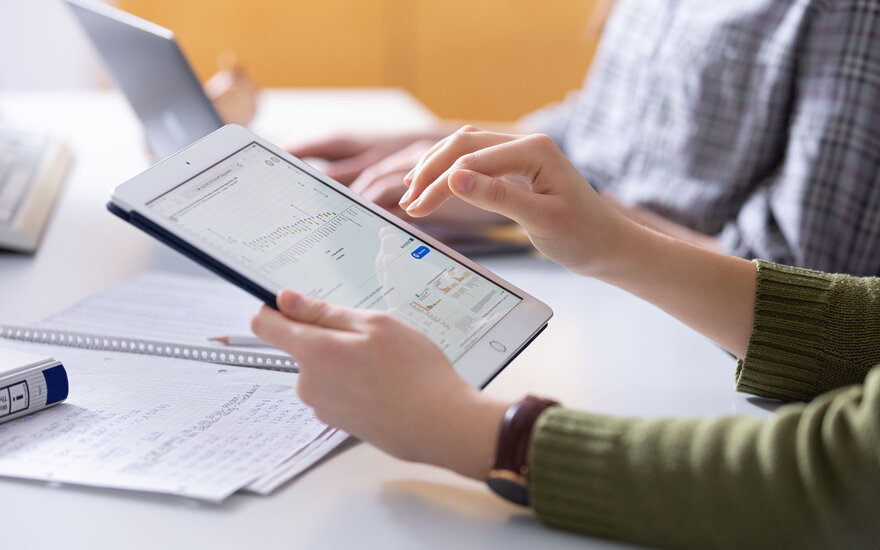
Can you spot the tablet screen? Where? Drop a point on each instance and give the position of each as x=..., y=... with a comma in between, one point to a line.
x=257, y=209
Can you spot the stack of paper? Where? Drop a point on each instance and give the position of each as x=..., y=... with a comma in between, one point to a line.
x=162, y=424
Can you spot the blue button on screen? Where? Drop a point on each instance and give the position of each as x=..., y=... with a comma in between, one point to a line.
x=420, y=252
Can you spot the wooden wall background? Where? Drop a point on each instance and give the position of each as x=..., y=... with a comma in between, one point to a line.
x=470, y=59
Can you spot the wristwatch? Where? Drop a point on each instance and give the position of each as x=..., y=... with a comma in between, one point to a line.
x=509, y=476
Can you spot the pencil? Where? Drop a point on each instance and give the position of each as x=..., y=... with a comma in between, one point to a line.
x=239, y=340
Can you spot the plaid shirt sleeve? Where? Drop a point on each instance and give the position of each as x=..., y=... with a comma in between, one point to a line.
x=553, y=120
x=821, y=208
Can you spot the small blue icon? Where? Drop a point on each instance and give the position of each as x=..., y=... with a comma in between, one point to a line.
x=420, y=252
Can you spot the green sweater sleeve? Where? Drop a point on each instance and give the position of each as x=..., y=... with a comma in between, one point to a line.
x=813, y=332
x=807, y=478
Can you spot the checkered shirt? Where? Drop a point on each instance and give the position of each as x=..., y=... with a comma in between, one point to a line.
x=754, y=120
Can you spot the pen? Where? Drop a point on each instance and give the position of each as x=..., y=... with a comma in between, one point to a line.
x=239, y=340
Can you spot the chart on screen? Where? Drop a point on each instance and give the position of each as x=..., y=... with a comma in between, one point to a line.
x=264, y=212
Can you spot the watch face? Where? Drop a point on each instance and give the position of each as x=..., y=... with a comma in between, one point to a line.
x=510, y=490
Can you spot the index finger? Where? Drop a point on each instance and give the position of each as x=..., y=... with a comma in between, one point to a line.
x=513, y=156
x=435, y=165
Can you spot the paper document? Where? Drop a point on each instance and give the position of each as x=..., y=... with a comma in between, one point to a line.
x=164, y=425
x=298, y=463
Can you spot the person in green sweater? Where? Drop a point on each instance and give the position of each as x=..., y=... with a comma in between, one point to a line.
x=809, y=477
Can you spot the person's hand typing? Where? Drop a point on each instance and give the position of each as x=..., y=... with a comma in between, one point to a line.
x=382, y=182
x=348, y=155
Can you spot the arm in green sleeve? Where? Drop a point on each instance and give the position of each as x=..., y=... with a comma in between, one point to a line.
x=807, y=478
x=810, y=477
x=813, y=332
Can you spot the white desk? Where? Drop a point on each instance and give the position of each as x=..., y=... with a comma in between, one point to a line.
x=604, y=350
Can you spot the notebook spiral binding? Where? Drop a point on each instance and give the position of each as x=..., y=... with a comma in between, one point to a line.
x=148, y=347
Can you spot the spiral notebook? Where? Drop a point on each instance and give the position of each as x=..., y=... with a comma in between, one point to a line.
x=160, y=314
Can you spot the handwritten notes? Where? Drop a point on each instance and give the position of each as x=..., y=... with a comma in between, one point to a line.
x=165, y=425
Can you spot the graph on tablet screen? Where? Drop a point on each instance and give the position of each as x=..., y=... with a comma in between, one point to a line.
x=257, y=209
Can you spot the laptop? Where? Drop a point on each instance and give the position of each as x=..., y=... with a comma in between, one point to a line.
x=153, y=73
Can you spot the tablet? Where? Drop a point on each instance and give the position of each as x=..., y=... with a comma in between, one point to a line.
x=265, y=220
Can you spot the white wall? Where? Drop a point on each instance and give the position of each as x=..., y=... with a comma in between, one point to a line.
x=42, y=47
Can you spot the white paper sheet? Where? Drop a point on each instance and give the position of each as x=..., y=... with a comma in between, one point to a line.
x=297, y=464
x=160, y=424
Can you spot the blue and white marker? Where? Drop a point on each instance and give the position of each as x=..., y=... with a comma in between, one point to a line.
x=29, y=383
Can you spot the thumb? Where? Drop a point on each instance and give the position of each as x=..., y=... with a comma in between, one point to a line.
x=494, y=195
x=305, y=309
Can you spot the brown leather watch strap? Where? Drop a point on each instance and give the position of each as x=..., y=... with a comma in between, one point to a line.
x=516, y=434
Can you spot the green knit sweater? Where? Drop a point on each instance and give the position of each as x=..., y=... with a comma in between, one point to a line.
x=807, y=478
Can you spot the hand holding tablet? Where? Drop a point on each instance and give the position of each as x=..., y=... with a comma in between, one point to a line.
x=266, y=221
x=384, y=381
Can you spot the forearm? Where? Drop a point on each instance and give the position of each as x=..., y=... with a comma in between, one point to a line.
x=658, y=223
x=825, y=328
x=810, y=475
x=710, y=292
x=813, y=332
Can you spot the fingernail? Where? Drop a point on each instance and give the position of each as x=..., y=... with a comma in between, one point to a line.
x=414, y=205
x=463, y=181
x=405, y=198
x=288, y=300
x=409, y=176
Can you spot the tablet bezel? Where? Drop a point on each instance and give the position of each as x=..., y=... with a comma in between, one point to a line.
x=478, y=365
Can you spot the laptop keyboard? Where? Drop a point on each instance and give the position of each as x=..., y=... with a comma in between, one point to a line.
x=20, y=154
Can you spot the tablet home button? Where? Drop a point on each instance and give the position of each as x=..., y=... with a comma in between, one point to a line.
x=497, y=346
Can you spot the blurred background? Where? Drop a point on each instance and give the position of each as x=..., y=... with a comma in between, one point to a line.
x=475, y=60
